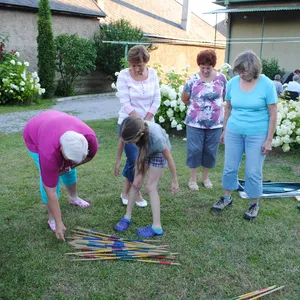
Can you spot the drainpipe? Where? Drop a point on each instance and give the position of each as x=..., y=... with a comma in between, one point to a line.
x=262, y=35
x=227, y=56
x=186, y=15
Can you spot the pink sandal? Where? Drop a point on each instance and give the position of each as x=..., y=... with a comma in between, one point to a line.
x=80, y=203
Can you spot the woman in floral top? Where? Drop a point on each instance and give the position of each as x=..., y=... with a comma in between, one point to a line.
x=204, y=94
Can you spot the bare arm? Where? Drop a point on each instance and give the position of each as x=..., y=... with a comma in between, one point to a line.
x=185, y=97
x=149, y=116
x=54, y=208
x=167, y=154
x=267, y=146
x=119, y=156
x=227, y=114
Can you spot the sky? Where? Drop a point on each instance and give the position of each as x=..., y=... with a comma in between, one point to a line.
x=201, y=6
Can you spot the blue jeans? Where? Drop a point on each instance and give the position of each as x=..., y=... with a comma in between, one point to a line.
x=131, y=152
x=235, y=145
x=68, y=178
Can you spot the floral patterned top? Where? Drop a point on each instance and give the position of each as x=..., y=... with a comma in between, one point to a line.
x=206, y=101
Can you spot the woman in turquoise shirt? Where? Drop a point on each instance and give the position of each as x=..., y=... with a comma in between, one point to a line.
x=249, y=126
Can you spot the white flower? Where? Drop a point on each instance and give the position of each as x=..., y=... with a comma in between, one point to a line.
x=22, y=83
x=286, y=147
x=19, y=63
x=4, y=80
x=34, y=75
x=113, y=86
x=179, y=127
x=173, y=103
x=180, y=89
x=43, y=91
x=37, y=85
x=117, y=73
x=23, y=75
x=184, y=139
x=286, y=139
x=173, y=124
x=298, y=139
x=17, y=54
x=167, y=103
x=22, y=89
x=31, y=80
x=187, y=67
x=172, y=94
x=11, y=91
x=170, y=112
x=182, y=108
x=26, y=63
x=161, y=119
x=12, y=62
x=298, y=131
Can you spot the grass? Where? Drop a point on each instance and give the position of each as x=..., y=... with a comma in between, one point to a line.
x=43, y=104
x=222, y=255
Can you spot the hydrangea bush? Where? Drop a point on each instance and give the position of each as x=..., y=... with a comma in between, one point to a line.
x=172, y=111
x=17, y=85
x=287, y=134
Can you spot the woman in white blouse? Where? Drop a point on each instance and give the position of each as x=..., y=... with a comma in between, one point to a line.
x=139, y=94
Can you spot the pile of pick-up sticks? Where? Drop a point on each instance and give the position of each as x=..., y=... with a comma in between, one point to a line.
x=259, y=293
x=99, y=246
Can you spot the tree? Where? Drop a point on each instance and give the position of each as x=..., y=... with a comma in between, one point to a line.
x=109, y=56
x=270, y=68
x=46, y=50
x=75, y=57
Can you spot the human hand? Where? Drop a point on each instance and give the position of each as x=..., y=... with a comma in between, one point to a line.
x=59, y=231
x=117, y=169
x=266, y=147
x=175, y=187
x=222, y=137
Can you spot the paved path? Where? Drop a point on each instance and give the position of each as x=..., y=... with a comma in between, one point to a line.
x=86, y=108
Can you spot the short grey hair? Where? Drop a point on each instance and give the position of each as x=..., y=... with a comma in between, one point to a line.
x=296, y=78
x=74, y=146
x=277, y=77
x=249, y=62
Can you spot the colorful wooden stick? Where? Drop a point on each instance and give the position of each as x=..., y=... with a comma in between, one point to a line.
x=267, y=293
x=254, y=293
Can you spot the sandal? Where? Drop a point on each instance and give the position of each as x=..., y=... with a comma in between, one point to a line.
x=80, y=203
x=193, y=186
x=142, y=203
x=122, y=225
x=207, y=183
x=146, y=232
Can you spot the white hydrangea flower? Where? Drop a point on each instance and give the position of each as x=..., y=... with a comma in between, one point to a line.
x=26, y=63
x=286, y=148
x=180, y=89
x=172, y=94
x=34, y=74
x=17, y=54
x=184, y=139
x=170, y=113
x=4, y=80
x=298, y=139
x=117, y=74
x=19, y=63
x=22, y=83
x=22, y=89
x=167, y=103
x=12, y=62
x=113, y=86
x=182, y=108
x=173, y=103
x=173, y=124
x=286, y=139
x=23, y=75
x=179, y=127
x=161, y=119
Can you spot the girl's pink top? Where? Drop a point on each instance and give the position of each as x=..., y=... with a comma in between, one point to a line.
x=41, y=135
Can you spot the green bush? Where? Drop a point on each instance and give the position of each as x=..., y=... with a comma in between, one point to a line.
x=17, y=85
x=46, y=51
x=270, y=68
x=109, y=56
x=75, y=57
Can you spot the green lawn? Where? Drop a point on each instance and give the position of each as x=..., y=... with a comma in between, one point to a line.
x=43, y=104
x=222, y=256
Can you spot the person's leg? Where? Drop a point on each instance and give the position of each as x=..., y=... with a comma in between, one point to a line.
x=51, y=221
x=69, y=179
x=253, y=173
x=209, y=155
x=131, y=152
x=234, y=149
x=194, y=144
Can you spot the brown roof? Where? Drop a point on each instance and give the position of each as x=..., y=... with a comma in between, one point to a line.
x=79, y=7
x=159, y=18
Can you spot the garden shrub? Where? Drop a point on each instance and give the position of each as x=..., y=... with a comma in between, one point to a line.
x=109, y=56
x=17, y=84
x=270, y=68
x=46, y=51
x=75, y=57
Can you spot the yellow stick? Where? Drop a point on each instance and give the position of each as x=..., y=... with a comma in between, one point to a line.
x=267, y=293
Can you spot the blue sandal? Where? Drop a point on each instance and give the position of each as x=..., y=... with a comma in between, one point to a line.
x=146, y=232
x=122, y=225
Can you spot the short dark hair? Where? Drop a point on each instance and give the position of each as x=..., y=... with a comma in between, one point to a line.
x=207, y=57
x=138, y=54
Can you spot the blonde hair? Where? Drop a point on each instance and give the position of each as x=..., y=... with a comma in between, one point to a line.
x=138, y=54
x=131, y=129
x=74, y=146
x=248, y=62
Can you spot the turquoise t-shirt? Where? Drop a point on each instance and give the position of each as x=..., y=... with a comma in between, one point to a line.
x=249, y=114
